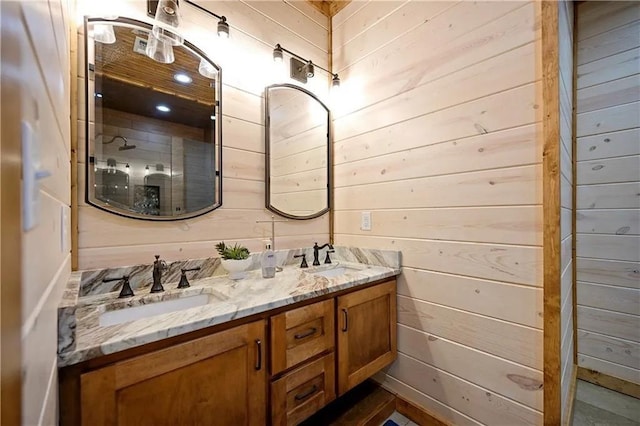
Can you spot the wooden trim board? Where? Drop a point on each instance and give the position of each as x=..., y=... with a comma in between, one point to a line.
x=574, y=192
x=551, y=214
x=417, y=414
x=10, y=220
x=73, y=67
x=609, y=382
x=572, y=395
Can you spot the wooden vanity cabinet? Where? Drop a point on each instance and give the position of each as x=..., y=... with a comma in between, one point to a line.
x=217, y=379
x=366, y=328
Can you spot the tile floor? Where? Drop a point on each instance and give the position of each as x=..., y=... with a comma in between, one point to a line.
x=400, y=420
x=598, y=406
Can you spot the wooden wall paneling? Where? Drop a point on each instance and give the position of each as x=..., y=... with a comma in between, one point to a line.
x=551, y=215
x=517, y=264
x=611, y=272
x=611, y=119
x=613, y=247
x=619, y=351
x=611, y=196
x=501, y=300
x=613, y=41
x=611, y=93
x=612, y=381
x=608, y=68
x=592, y=22
x=610, y=170
x=523, y=384
x=615, y=324
x=619, y=299
x=608, y=145
x=619, y=222
x=419, y=375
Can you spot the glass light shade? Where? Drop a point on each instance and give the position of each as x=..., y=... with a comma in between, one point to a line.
x=168, y=21
x=159, y=50
x=104, y=33
x=206, y=69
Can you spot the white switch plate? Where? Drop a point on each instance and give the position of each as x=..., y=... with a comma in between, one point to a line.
x=365, y=221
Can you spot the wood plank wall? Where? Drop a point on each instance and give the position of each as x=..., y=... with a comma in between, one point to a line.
x=39, y=65
x=247, y=67
x=608, y=188
x=438, y=135
x=565, y=65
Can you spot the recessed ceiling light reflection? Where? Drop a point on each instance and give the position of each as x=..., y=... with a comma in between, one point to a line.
x=213, y=117
x=163, y=108
x=98, y=95
x=182, y=78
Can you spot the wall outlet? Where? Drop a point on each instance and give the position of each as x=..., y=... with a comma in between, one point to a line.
x=365, y=221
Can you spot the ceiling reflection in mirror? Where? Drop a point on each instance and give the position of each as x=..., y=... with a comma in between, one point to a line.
x=153, y=128
x=298, y=154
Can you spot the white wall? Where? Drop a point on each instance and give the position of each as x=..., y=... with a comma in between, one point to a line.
x=247, y=67
x=41, y=28
x=439, y=136
x=608, y=184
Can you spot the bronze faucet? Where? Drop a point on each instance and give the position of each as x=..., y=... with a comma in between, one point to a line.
x=316, y=249
x=158, y=267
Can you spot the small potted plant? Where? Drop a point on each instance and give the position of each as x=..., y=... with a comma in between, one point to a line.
x=235, y=260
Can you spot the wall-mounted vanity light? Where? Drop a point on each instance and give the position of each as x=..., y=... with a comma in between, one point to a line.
x=301, y=69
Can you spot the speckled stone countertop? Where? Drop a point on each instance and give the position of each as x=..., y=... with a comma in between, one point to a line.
x=81, y=337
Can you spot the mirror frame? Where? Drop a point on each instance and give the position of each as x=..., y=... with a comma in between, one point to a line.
x=267, y=143
x=134, y=23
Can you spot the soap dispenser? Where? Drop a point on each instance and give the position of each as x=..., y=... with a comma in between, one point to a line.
x=268, y=261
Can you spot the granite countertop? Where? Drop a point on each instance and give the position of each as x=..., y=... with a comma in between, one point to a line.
x=81, y=337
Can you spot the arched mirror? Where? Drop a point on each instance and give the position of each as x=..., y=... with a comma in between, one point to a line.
x=298, y=155
x=153, y=127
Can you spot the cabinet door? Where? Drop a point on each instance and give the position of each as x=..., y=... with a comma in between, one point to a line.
x=366, y=333
x=217, y=379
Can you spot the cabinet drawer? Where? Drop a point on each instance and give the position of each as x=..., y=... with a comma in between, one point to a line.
x=299, y=334
x=303, y=391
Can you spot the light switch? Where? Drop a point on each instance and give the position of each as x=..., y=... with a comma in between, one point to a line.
x=365, y=221
x=31, y=173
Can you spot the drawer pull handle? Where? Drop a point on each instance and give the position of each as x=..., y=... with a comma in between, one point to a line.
x=307, y=394
x=259, y=354
x=346, y=320
x=308, y=333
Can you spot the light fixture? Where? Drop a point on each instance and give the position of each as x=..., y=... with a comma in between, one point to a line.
x=167, y=22
x=146, y=170
x=223, y=28
x=104, y=33
x=302, y=69
x=223, y=25
x=277, y=53
x=160, y=50
x=163, y=108
x=182, y=78
x=206, y=69
x=127, y=168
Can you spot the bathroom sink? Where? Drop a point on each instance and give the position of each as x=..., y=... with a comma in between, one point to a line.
x=334, y=272
x=133, y=313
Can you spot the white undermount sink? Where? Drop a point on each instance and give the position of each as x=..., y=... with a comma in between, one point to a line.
x=334, y=272
x=133, y=313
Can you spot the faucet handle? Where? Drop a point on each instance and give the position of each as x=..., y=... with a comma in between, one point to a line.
x=184, y=282
x=304, y=260
x=327, y=259
x=126, y=287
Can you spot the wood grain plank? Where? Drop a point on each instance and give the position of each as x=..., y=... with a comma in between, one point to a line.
x=618, y=299
x=610, y=375
x=507, y=225
x=512, y=186
x=477, y=402
x=605, y=95
x=510, y=379
x=499, y=300
x=611, y=272
x=613, y=196
x=618, y=351
x=615, y=324
x=607, y=145
x=610, y=170
x=507, y=340
x=616, y=247
x=516, y=264
x=609, y=43
x=607, y=69
x=611, y=119
x=602, y=17
x=618, y=222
